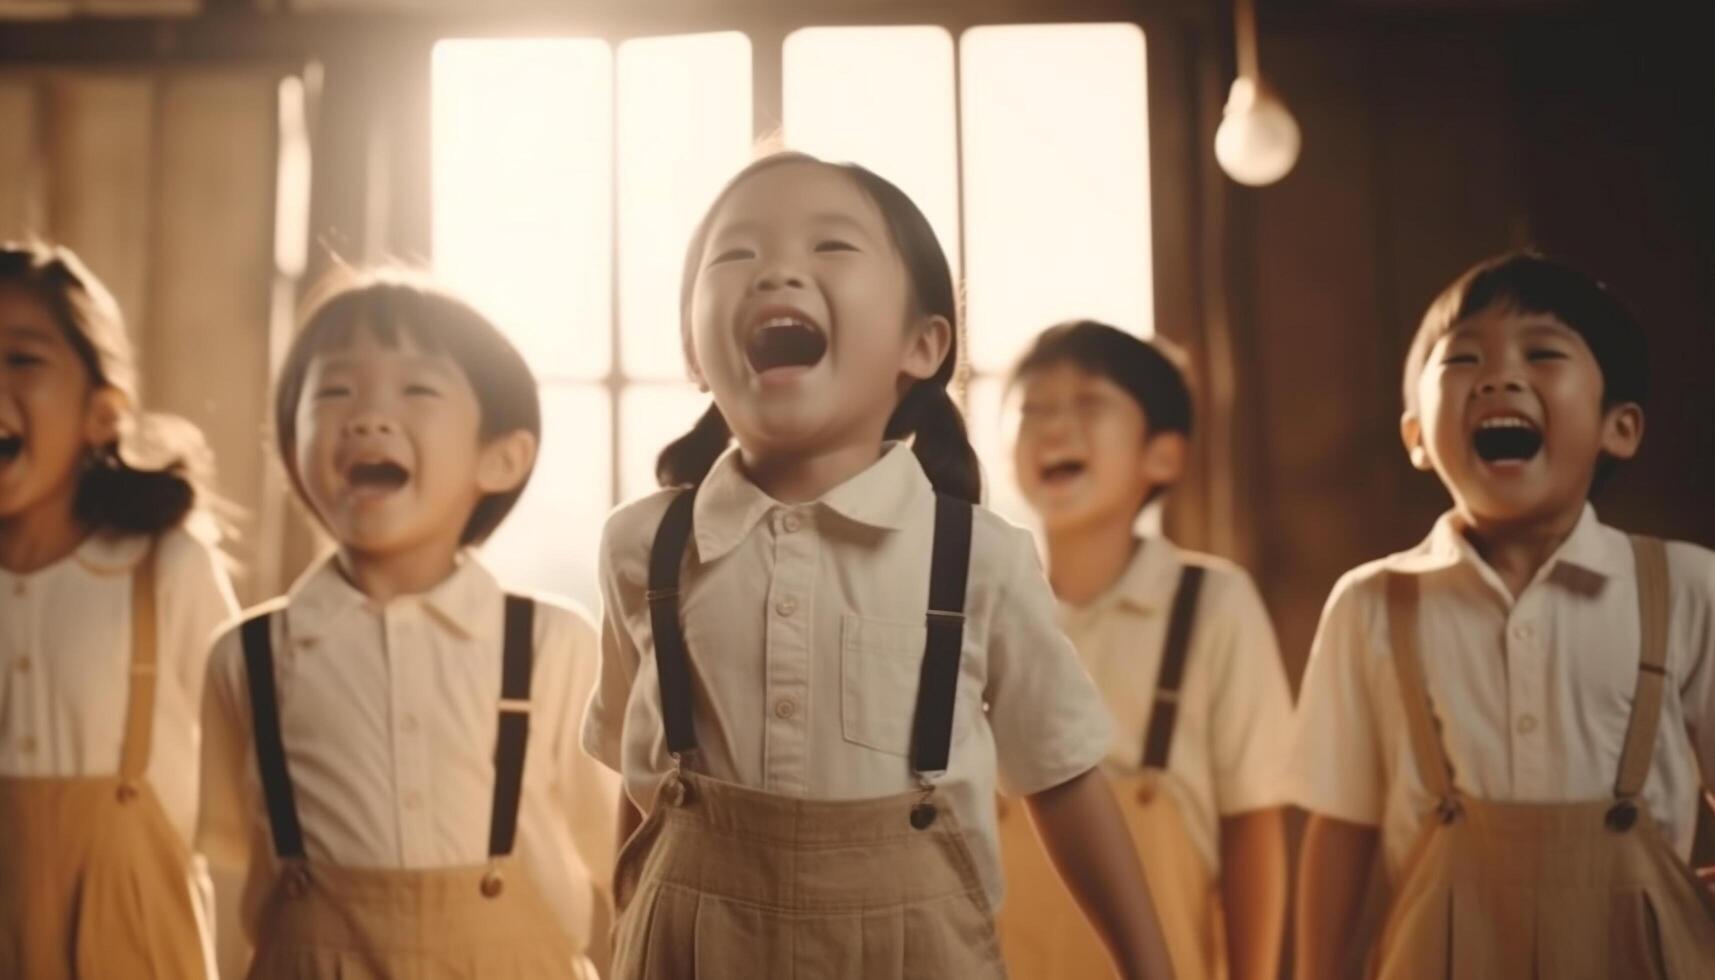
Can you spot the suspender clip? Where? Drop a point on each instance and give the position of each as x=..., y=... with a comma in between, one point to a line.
x=652, y=596
x=942, y=615
x=517, y=706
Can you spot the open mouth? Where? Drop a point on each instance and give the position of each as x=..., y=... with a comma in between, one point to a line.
x=11, y=446
x=1507, y=438
x=381, y=476
x=1062, y=472
x=785, y=342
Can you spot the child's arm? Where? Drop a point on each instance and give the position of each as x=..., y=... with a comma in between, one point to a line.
x=1250, y=728
x=1086, y=838
x=1253, y=892
x=223, y=835
x=630, y=818
x=1333, y=872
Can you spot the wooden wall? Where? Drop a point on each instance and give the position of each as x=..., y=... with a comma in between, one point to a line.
x=163, y=181
x=1431, y=142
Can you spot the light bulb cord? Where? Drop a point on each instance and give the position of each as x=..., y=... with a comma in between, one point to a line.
x=1244, y=29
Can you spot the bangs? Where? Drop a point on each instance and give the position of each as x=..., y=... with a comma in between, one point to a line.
x=1527, y=283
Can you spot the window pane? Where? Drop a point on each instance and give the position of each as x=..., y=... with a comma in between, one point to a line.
x=650, y=417
x=523, y=188
x=882, y=97
x=551, y=538
x=1056, y=182
x=684, y=129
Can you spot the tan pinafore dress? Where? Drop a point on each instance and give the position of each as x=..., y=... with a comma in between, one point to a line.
x=321, y=921
x=94, y=881
x=722, y=881
x=1558, y=891
x=1044, y=935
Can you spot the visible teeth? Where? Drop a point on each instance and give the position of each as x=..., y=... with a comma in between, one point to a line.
x=1505, y=422
x=783, y=321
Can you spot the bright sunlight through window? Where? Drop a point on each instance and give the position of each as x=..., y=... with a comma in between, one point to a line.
x=568, y=175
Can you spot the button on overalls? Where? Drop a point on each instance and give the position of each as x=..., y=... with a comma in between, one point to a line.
x=722, y=881
x=321, y=921
x=1499, y=890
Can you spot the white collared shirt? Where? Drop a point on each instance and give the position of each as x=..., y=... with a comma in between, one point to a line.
x=389, y=716
x=805, y=625
x=65, y=663
x=1533, y=695
x=1231, y=732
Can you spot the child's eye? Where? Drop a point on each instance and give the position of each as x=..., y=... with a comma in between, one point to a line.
x=733, y=255
x=1545, y=354
x=1459, y=359
x=423, y=390
x=835, y=245
x=20, y=359
x=331, y=391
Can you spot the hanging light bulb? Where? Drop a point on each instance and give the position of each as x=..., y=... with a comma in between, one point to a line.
x=1258, y=140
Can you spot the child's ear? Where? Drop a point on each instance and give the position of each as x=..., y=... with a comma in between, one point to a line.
x=1623, y=430
x=929, y=346
x=505, y=461
x=1164, y=458
x=1411, y=433
x=101, y=422
x=693, y=369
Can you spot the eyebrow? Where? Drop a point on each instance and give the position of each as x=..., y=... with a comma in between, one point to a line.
x=412, y=362
x=819, y=218
x=22, y=332
x=1534, y=323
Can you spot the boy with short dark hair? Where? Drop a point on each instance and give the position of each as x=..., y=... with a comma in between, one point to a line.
x=390, y=751
x=1181, y=647
x=1506, y=707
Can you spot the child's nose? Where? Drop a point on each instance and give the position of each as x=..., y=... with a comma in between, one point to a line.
x=777, y=276
x=369, y=423
x=1497, y=383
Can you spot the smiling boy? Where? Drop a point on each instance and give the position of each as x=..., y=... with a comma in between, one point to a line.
x=390, y=756
x=1520, y=708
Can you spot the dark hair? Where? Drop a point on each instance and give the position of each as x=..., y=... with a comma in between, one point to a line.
x=394, y=305
x=152, y=476
x=926, y=412
x=1527, y=282
x=1152, y=372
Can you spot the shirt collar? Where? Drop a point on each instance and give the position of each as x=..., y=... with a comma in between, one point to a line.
x=729, y=505
x=104, y=555
x=460, y=603
x=1587, y=556
x=1147, y=584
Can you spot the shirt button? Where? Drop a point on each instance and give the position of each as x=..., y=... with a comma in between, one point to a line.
x=1522, y=632
x=786, y=607
x=785, y=708
x=413, y=800
x=27, y=745
x=791, y=523
x=1526, y=724
x=19, y=588
x=23, y=665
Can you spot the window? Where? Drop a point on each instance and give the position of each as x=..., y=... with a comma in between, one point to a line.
x=565, y=216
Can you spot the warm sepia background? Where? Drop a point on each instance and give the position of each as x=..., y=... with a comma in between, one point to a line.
x=549, y=159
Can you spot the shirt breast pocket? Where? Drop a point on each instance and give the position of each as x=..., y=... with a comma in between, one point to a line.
x=880, y=666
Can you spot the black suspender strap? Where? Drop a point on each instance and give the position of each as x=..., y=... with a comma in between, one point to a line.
x=938, y=682
x=517, y=656
x=258, y=645
x=1177, y=650
x=672, y=662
